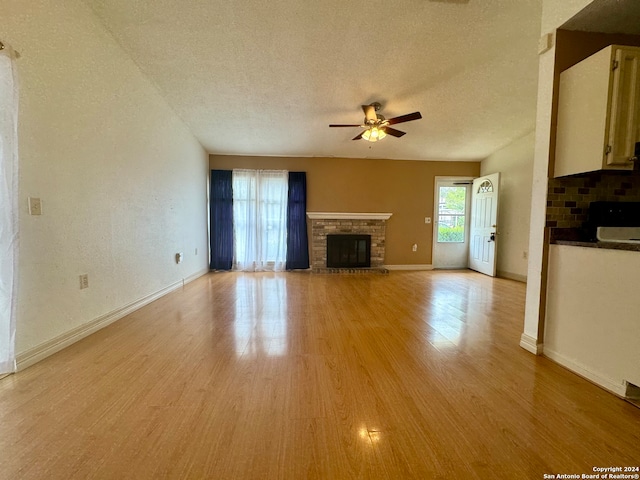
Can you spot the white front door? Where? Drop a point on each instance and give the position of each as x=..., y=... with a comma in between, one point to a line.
x=451, y=224
x=484, y=224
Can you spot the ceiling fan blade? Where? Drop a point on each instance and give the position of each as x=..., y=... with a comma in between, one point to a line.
x=404, y=118
x=393, y=132
x=370, y=113
x=358, y=137
x=334, y=125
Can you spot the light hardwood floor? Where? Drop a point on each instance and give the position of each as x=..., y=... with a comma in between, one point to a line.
x=414, y=375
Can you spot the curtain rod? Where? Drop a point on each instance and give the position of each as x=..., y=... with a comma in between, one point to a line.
x=2, y=47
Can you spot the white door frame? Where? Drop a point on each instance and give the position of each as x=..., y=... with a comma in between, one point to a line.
x=438, y=250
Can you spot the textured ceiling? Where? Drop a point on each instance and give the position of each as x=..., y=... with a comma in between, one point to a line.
x=267, y=78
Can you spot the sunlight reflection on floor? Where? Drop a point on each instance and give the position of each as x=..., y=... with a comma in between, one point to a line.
x=260, y=322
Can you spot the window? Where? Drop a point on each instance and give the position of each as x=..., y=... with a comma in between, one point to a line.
x=252, y=214
x=260, y=219
x=451, y=214
x=9, y=212
x=485, y=187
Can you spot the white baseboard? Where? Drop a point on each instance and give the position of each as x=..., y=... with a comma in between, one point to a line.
x=512, y=276
x=531, y=344
x=617, y=388
x=40, y=352
x=195, y=276
x=409, y=267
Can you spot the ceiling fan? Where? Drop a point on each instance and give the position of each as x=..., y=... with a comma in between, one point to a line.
x=376, y=126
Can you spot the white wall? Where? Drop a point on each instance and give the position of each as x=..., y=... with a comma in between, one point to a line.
x=122, y=181
x=592, y=322
x=515, y=163
x=554, y=14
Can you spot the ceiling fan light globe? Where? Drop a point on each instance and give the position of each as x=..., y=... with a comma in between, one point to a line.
x=374, y=134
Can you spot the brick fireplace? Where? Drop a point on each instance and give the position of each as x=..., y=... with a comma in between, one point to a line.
x=326, y=223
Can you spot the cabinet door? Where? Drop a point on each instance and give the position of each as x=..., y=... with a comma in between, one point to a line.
x=583, y=114
x=624, y=116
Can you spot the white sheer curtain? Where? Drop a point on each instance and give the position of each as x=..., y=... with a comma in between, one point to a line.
x=260, y=219
x=8, y=207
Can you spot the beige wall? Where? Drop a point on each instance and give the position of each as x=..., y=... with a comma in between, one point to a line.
x=122, y=180
x=404, y=188
x=515, y=163
x=557, y=12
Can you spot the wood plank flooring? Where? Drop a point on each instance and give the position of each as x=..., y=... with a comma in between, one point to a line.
x=411, y=375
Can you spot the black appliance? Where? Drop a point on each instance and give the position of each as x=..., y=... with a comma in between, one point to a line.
x=612, y=214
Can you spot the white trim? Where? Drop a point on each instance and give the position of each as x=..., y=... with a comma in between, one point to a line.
x=609, y=384
x=348, y=216
x=195, y=276
x=40, y=352
x=511, y=276
x=409, y=267
x=531, y=344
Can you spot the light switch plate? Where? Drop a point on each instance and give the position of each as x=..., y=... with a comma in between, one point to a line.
x=35, y=206
x=545, y=43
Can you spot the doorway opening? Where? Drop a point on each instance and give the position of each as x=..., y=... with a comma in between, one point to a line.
x=451, y=222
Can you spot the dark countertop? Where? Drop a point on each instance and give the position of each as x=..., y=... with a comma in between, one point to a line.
x=631, y=247
x=575, y=237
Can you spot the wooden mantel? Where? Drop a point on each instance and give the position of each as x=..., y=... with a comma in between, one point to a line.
x=348, y=216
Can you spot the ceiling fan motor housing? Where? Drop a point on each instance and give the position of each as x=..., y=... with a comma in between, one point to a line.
x=374, y=122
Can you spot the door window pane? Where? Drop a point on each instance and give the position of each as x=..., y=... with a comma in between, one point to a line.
x=451, y=213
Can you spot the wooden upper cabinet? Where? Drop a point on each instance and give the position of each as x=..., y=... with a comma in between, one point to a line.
x=599, y=112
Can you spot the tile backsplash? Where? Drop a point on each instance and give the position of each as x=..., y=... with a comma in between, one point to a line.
x=568, y=198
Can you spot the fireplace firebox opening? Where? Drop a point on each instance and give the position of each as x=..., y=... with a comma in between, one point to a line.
x=348, y=251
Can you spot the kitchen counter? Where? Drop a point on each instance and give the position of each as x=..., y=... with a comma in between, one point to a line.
x=632, y=247
x=575, y=237
x=591, y=324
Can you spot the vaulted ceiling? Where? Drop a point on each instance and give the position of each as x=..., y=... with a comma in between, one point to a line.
x=267, y=78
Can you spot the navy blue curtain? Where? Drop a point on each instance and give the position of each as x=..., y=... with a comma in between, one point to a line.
x=221, y=214
x=297, y=240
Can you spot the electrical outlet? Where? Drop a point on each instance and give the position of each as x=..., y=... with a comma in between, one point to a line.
x=84, y=281
x=35, y=206
x=415, y=247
